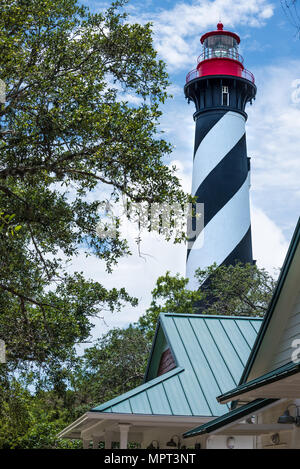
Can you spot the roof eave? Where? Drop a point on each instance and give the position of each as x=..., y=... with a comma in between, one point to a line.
x=230, y=417
x=278, y=374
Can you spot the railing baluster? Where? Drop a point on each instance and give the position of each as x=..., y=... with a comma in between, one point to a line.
x=244, y=74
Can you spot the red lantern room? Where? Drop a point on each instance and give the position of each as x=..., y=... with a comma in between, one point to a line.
x=220, y=56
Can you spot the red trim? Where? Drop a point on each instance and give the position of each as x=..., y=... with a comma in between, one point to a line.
x=216, y=33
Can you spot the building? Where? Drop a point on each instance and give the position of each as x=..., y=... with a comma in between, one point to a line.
x=266, y=404
x=220, y=87
x=194, y=358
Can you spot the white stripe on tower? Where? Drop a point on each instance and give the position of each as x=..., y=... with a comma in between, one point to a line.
x=217, y=143
x=221, y=235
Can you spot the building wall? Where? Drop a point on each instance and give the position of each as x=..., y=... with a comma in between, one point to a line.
x=290, y=333
x=163, y=435
x=220, y=442
x=287, y=439
x=207, y=442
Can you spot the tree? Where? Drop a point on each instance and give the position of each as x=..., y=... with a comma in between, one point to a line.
x=239, y=290
x=70, y=139
x=32, y=421
x=291, y=11
x=170, y=295
x=236, y=290
x=114, y=365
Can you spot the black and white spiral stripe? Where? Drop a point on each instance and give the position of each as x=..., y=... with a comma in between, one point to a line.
x=221, y=181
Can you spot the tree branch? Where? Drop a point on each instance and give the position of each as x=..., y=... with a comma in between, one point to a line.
x=24, y=297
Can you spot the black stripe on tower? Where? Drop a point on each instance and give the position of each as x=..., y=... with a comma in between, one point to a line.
x=203, y=126
x=223, y=182
x=242, y=252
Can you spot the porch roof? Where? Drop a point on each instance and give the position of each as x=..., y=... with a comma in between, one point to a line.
x=278, y=383
x=231, y=417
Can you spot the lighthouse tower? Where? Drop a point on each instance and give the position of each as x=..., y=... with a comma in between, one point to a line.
x=220, y=88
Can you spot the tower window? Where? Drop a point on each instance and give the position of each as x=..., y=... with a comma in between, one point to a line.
x=225, y=96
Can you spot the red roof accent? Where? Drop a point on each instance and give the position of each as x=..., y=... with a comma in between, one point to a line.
x=220, y=31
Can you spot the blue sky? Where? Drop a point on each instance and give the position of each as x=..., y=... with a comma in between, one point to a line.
x=270, y=48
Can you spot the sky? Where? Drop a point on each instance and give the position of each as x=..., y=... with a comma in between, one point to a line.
x=270, y=47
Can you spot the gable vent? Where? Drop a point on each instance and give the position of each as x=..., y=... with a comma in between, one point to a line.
x=167, y=362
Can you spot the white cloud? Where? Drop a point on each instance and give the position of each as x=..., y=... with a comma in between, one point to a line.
x=272, y=131
x=269, y=243
x=273, y=144
x=177, y=29
x=138, y=274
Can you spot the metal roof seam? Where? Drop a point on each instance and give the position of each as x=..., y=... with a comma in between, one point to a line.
x=192, y=367
x=253, y=327
x=179, y=379
x=243, y=335
x=130, y=406
x=149, y=402
x=217, y=382
x=168, y=400
x=209, y=331
x=238, y=355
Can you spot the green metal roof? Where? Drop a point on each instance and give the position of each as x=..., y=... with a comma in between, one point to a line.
x=210, y=354
x=230, y=417
x=268, y=316
x=275, y=375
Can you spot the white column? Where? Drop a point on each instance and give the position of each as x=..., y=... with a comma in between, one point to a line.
x=96, y=442
x=85, y=444
x=124, y=429
x=295, y=437
x=108, y=439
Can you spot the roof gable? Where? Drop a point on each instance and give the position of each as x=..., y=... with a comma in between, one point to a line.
x=214, y=348
x=210, y=353
x=263, y=355
x=159, y=346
